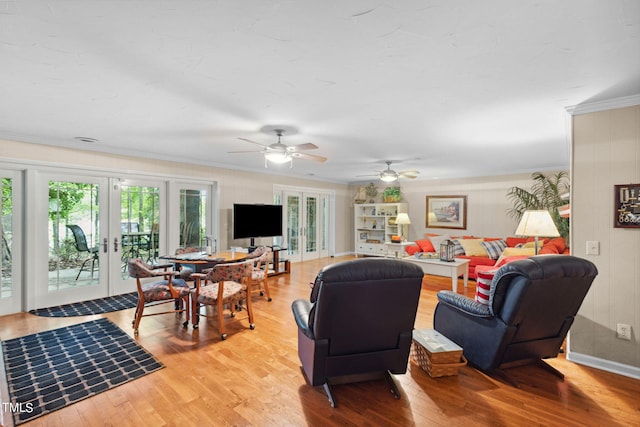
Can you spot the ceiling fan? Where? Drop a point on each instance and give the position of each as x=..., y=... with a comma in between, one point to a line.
x=280, y=153
x=390, y=175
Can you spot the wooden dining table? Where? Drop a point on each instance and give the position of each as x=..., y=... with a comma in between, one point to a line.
x=198, y=261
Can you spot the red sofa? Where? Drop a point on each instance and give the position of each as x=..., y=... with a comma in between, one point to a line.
x=549, y=246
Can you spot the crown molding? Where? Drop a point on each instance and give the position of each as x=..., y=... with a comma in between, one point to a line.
x=609, y=104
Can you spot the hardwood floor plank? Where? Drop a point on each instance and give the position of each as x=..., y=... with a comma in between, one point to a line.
x=254, y=378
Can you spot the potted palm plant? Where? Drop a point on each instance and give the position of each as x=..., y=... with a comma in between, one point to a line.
x=391, y=195
x=545, y=193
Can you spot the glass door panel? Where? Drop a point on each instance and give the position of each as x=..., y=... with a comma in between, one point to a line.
x=311, y=226
x=10, y=246
x=136, y=228
x=76, y=235
x=139, y=223
x=292, y=210
x=193, y=218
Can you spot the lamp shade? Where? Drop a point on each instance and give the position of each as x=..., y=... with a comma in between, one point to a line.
x=537, y=224
x=403, y=219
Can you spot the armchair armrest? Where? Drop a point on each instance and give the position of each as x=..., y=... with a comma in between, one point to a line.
x=301, y=309
x=464, y=304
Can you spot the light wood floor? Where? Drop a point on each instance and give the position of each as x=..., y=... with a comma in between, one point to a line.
x=254, y=378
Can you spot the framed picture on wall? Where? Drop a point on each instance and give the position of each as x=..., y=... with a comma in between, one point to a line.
x=446, y=212
x=626, y=210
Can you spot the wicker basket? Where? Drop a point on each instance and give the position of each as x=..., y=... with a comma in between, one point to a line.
x=448, y=362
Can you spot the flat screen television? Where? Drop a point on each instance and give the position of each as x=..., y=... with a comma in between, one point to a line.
x=257, y=220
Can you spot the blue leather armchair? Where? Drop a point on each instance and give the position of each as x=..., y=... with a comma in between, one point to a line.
x=359, y=321
x=532, y=305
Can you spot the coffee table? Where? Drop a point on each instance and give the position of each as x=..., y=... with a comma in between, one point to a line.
x=454, y=269
x=397, y=247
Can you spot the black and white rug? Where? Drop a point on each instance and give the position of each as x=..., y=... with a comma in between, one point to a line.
x=85, y=308
x=49, y=370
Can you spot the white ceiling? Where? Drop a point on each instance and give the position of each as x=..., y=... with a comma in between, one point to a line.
x=450, y=88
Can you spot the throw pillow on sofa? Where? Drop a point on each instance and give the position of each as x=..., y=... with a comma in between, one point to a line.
x=457, y=249
x=494, y=248
x=473, y=247
x=510, y=252
x=437, y=240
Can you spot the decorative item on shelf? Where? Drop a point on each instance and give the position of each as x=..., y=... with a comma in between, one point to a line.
x=361, y=195
x=447, y=251
x=537, y=223
x=371, y=191
x=391, y=195
x=401, y=220
x=396, y=239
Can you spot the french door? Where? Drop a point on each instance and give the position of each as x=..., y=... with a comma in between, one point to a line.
x=74, y=254
x=306, y=216
x=11, y=244
x=95, y=225
x=137, y=227
x=192, y=207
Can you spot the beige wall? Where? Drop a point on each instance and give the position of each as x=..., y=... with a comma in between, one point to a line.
x=487, y=203
x=233, y=185
x=606, y=152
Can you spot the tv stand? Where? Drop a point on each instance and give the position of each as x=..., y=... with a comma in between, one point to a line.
x=277, y=262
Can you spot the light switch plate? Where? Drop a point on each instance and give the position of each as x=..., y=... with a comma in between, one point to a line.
x=593, y=247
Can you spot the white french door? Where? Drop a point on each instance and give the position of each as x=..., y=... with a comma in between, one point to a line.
x=192, y=207
x=80, y=231
x=137, y=227
x=73, y=248
x=307, y=220
x=11, y=244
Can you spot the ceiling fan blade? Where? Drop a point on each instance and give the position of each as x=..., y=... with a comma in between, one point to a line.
x=302, y=147
x=252, y=142
x=309, y=157
x=411, y=174
x=245, y=151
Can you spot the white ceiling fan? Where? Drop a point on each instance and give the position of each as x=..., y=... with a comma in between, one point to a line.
x=390, y=175
x=281, y=153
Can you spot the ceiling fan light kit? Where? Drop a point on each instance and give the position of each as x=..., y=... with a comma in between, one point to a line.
x=279, y=153
x=388, y=177
x=277, y=157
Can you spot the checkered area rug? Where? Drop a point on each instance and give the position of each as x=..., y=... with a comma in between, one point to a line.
x=85, y=308
x=49, y=370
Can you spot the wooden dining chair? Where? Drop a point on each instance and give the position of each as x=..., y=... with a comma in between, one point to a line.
x=259, y=281
x=167, y=289
x=228, y=287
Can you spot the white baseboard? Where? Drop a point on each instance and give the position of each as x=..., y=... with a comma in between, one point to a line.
x=605, y=365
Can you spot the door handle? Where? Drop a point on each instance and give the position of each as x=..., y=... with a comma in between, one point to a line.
x=115, y=244
x=105, y=245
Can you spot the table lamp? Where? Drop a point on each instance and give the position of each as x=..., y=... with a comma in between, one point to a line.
x=537, y=223
x=401, y=220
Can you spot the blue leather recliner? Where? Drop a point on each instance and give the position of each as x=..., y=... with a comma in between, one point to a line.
x=532, y=305
x=359, y=321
